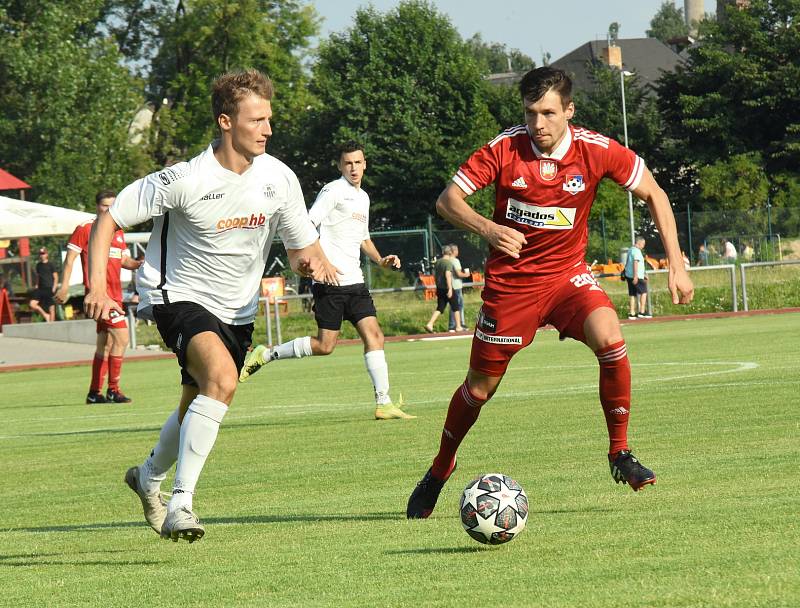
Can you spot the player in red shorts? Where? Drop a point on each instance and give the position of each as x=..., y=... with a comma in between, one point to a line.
x=546, y=173
x=112, y=334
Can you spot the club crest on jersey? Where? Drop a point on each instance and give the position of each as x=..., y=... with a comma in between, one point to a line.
x=548, y=170
x=574, y=184
x=269, y=191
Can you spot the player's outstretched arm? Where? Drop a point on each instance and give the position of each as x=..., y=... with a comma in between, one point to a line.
x=387, y=261
x=452, y=205
x=312, y=262
x=680, y=285
x=96, y=303
x=61, y=295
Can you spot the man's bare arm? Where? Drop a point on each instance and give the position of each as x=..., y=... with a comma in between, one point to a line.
x=680, y=285
x=312, y=262
x=96, y=303
x=452, y=206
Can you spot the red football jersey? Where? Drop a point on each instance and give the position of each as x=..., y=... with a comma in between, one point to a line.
x=546, y=198
x=79, y=241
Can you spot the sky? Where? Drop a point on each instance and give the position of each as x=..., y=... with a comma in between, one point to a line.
x=532, y=26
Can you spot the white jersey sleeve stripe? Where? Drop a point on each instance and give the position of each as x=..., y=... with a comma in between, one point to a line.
x=463, y=182
x=636, y=174
x=507, y=133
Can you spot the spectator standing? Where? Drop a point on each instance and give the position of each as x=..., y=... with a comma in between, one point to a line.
x=46, y=281
x=729, y=252
x=443, y=272
x=637, y=280
x=458, y=284
x=702, y=255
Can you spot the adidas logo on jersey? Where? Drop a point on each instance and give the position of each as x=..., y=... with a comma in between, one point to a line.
x=519, y=183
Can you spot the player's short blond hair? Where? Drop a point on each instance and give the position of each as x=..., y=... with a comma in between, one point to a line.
x=230, y=88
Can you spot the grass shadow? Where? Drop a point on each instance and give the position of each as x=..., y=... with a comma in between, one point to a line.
x=238, y=520
x=439, y=550
x=36, y=559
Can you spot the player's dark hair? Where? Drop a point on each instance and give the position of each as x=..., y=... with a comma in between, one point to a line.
x=536, y=83
x=347, y=147
x=102, y=195
x=230, y=88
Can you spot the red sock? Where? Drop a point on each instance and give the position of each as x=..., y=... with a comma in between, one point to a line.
x=464, y=410
x=615, y=393
x=98, y=373
x=114, y=371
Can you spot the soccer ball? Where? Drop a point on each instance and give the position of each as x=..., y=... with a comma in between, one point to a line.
x=494, y=509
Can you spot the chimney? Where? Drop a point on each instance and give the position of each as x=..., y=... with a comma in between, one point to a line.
x=693, y=13
x=613, y=56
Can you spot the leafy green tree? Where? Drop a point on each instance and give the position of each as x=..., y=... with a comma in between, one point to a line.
x=496, y=58
x=668, y=23
x=736, y=96
x=493, y=58
x=66, y=102
x=600, y=108
x=205, y=38
x=419, y=108
x=133, y=26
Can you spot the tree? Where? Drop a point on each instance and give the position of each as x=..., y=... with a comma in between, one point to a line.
x=133, y=26
x=600, y=108
x=736, y=96
x=668, y=24
x=418, y=108
x=204, y=38
x=66, y=103
x=496, y=58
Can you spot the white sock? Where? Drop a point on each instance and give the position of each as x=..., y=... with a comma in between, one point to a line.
x=198, y=434
x=297, y=348
x=154, y=469
x=378, y=371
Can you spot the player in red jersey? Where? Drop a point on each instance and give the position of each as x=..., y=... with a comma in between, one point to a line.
x=546, y=173
x=112, y=334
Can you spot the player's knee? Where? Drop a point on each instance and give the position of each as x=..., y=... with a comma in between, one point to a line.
x=221, y=387
x=481, y=392
x=324, y=348
x=603, y=342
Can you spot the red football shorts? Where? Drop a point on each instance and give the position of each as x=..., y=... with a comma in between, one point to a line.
x=116, y=321
x=508, y=321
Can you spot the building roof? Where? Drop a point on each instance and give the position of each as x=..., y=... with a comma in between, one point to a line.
x=9, y=182
x=646, y=57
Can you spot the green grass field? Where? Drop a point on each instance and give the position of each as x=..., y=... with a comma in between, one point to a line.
x=304, y=495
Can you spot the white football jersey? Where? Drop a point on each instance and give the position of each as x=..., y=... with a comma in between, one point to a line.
x=212, y=231
x=341, y=212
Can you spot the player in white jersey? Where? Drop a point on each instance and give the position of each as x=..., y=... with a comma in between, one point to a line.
x=341, y=212
x=214, y=218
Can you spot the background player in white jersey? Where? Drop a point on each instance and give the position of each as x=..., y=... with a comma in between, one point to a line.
x=546, y=174
x=341, y=212
x=214, y=218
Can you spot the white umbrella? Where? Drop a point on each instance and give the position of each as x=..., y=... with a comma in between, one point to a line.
x=19, y=219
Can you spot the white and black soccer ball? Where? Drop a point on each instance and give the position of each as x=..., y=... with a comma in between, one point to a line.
x=494, y=509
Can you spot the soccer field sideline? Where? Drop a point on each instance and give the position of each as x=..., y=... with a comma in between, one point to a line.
x=18, y=354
